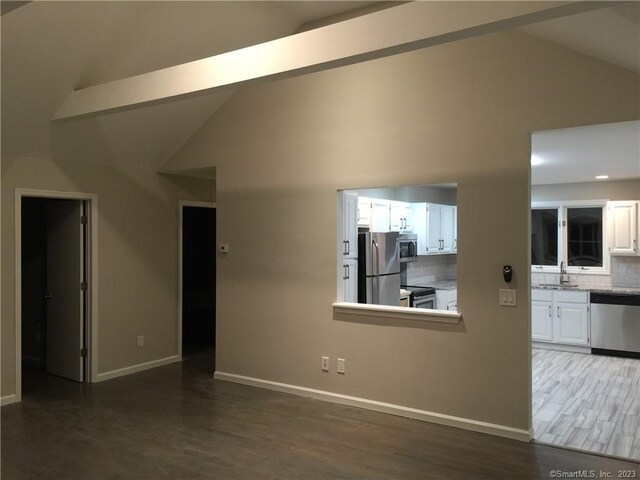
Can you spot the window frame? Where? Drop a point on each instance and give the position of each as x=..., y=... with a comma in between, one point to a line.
x=563, y=237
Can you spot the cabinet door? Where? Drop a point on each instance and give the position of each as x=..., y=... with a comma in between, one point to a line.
x=396, y=221
x=350, y=280
x=350, y=225
x=433, y=229
x=541, y=321
x=364, y=212
x=455, y=229
x=572, y=323
x=380, y=216
x=420, y=226
x=446, y=229
x=408, y=217
x=623, y=231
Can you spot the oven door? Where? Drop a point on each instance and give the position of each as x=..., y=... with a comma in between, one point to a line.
x=426, y=301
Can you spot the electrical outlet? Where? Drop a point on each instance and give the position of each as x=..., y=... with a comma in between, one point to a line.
x=325, y=364
x=141, y=340
x=341, y=365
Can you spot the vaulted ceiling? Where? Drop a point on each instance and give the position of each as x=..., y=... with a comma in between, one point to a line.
x=51, y=48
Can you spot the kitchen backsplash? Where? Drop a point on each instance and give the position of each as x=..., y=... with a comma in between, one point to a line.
x=625, y=272
x=427, y=269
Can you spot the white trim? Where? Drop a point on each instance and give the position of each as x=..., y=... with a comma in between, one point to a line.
x=181, y=204
x=416, y=414
x=141, y=367
x=562, y=206
x=92, y=324
x=396, y=313
x=8, y=399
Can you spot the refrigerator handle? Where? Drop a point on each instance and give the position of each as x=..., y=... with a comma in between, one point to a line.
x=375, y=294
x=376, y=257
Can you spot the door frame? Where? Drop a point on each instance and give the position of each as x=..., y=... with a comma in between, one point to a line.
x=181, y=205
x=91, y=265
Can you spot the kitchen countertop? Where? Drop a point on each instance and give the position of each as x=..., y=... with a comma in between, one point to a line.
x=631, y=290
x=444, y=284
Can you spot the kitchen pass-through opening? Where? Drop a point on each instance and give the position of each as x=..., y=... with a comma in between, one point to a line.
x=397, y=246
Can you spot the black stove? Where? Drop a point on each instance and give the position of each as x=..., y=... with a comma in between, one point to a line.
x=419, y=291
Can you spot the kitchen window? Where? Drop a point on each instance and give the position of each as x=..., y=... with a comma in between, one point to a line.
x=570, y=232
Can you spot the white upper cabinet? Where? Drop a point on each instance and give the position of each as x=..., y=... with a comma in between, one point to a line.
x=623, y=228
x=364, y=212
x=455, y=229
x=435, y=226
x=380, y=216
x=447, y=221
x=350, y=225
x=401, y=217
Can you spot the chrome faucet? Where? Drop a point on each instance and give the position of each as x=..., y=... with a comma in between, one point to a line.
x=564, y=277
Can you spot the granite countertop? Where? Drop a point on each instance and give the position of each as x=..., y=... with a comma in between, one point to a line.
x=630, y=290
x=444, y=284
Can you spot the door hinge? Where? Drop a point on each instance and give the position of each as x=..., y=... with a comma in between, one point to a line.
x=83, y=352
x=83, y=286
x=84, y=220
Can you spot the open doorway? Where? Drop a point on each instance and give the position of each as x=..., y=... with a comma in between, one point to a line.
x=198, y=285
x=53, y=292
x=585, y=297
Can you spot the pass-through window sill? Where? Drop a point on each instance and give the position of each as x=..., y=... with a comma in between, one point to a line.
x=398, y=313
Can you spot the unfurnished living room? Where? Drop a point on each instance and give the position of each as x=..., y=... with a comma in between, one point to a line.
x=320, y=239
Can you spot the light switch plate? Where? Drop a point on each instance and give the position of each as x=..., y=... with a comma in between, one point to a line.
x=508, y=297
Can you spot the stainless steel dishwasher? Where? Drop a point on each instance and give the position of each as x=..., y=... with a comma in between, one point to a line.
x=615, y=323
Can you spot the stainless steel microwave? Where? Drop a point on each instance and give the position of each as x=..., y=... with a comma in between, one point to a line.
x=408, y=243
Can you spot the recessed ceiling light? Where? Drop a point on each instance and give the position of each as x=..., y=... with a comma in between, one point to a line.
x=535, y=160
x=602, y=177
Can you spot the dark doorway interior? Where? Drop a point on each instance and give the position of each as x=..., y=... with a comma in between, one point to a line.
x=34, y=276
x=198, y=280
x=53, y=303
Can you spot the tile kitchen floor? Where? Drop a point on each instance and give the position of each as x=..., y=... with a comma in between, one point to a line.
x=587, y=402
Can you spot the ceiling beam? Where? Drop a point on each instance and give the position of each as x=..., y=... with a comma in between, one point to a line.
x=399, y=29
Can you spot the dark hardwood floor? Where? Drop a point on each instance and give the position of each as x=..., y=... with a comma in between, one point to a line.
x=176, y=422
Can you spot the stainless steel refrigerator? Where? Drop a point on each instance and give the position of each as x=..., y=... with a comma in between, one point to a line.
x=379, y=268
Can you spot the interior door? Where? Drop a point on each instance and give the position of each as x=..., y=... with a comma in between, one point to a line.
x=65, y=298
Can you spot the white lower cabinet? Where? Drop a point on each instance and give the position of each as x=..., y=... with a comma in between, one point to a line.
x=561, y=317
x=541, y=321
x=350, y=279
x=447, y=299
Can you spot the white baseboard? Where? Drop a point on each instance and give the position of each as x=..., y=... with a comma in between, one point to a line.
x=141, y=367
x=8, y=399
x=458, y=422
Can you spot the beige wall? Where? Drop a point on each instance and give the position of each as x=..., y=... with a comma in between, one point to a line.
x=462, y=112
x=138, y=254
x=618, y=190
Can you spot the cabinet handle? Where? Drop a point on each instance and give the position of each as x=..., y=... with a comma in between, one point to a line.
x=347, y=272
x=549, y=311
x=344, y=247
x=558, y=312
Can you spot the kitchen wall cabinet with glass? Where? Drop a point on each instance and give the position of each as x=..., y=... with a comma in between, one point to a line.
x=560, y=317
